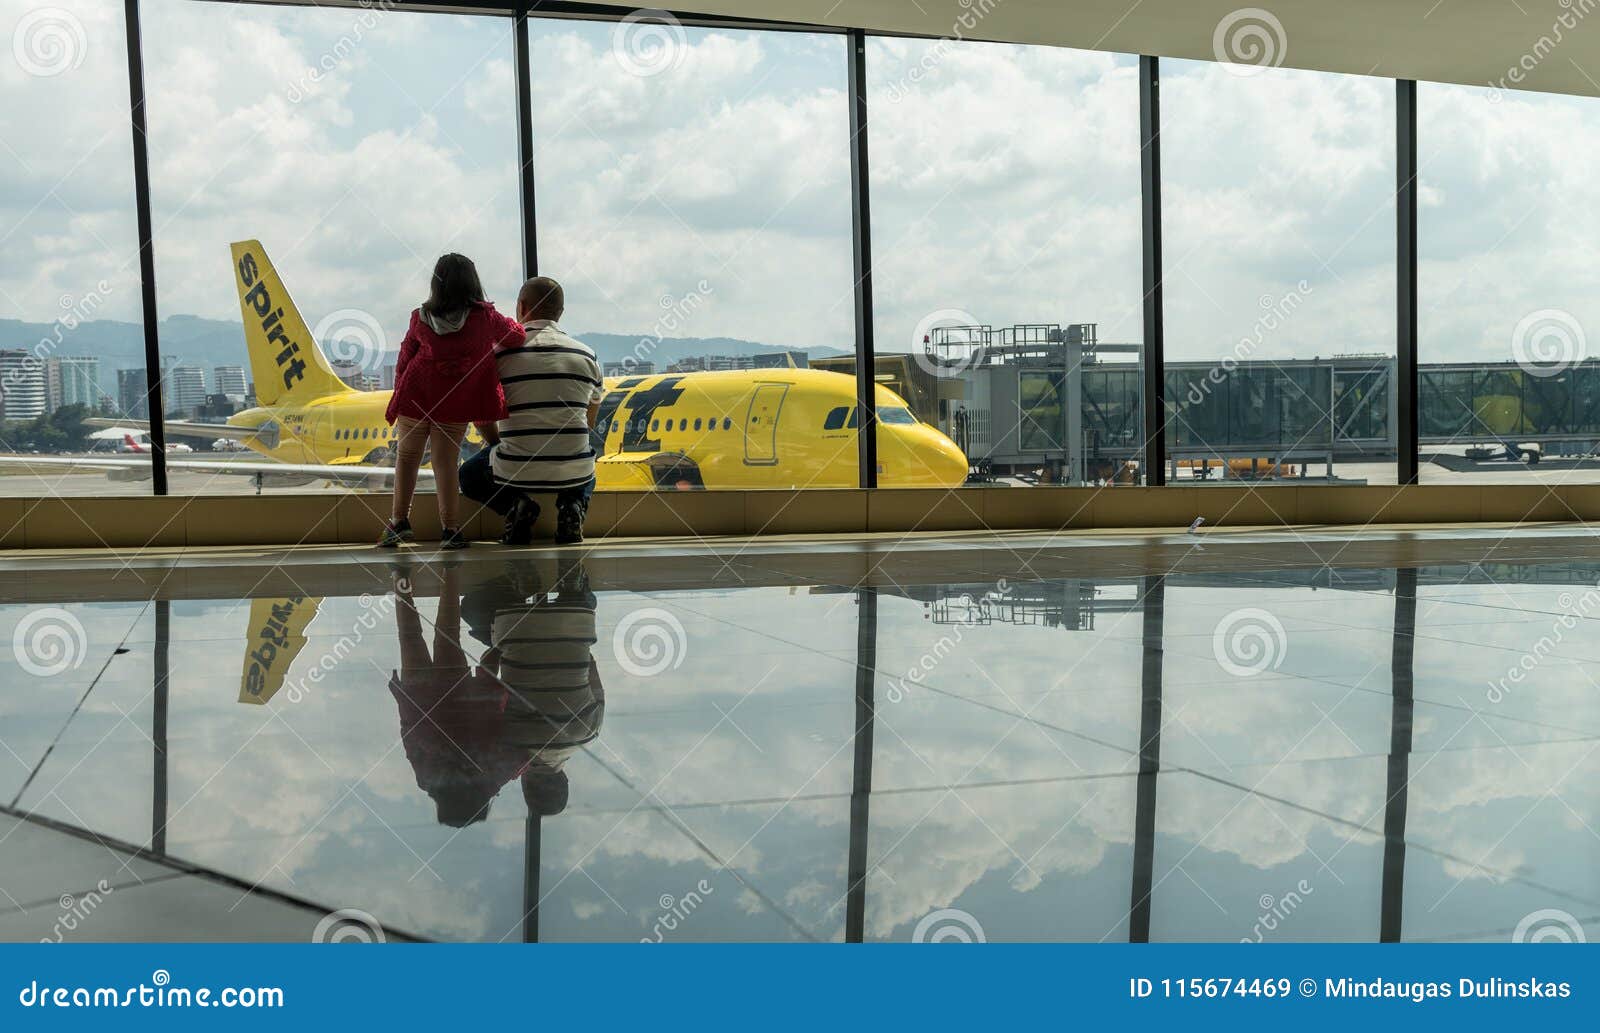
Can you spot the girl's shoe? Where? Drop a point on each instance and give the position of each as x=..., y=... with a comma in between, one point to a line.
x=396, y=533
x=453, y=539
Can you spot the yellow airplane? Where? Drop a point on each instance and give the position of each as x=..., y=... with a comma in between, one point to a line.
x=766, y=428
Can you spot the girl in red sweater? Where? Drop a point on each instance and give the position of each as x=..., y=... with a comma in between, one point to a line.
x=445, y=379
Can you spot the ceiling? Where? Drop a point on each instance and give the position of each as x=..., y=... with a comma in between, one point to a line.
x=1553, y=45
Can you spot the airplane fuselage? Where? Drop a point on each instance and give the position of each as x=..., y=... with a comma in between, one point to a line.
x=771, y=428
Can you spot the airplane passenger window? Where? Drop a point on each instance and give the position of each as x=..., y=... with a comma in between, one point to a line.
x=654, y=426
x=697, y=423
x=727, y=424
x=835, y=418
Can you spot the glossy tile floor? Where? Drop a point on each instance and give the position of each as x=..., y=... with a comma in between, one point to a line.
x=1325, y=736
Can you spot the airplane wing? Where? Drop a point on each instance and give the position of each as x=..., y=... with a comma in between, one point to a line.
x=267, y=433
x=354, y=475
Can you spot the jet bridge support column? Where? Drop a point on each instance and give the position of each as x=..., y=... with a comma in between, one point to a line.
x=1072, y=405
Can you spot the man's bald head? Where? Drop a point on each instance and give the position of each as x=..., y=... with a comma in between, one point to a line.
x=540, y=298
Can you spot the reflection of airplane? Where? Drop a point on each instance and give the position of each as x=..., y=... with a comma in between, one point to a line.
x=276, y=637
x=769, y=428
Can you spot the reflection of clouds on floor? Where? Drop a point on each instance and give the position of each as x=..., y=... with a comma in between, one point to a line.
x=972, y=848
x=1003, y=782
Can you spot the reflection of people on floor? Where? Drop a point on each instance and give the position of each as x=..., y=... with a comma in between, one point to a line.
x=533, y=700
x=451, y=714
x=539, y=619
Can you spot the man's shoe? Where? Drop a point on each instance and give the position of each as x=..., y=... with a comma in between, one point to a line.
x=569, y=523
x=395, y=534
x=453, y=539
x=519, y=522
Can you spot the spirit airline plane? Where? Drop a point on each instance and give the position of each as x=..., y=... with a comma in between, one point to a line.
x=767, y=428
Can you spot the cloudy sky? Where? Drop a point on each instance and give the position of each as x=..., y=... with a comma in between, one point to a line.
x=682, y=164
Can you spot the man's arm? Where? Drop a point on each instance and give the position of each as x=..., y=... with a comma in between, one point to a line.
x=490, y=433
x=594, y=414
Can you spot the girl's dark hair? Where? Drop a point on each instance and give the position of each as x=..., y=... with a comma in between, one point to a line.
x=455, y=286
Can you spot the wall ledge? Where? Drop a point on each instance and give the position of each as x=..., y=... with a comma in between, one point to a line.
x=354, y=519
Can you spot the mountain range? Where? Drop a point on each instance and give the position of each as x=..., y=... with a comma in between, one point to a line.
x=213, y=342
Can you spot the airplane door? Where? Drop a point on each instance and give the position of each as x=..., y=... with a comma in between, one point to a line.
x=761, y=425
x=317, y=426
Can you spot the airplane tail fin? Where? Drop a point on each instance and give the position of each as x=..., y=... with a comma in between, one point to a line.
x=285, y=361
x=277, y=635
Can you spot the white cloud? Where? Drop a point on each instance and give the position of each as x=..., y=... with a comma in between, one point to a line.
x=1005, y=182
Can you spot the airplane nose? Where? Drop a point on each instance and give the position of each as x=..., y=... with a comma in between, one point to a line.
x=953, y=461
x=927, y=459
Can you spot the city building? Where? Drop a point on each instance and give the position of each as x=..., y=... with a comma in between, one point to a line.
x=23, y=393
x=230, y=380
x=722, y=363
x=349, y=372
x=133, y=394
x=75, y=380
x=184, y=387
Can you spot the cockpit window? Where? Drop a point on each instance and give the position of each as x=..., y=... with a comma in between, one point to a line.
x=835, y=418
x=895, y=414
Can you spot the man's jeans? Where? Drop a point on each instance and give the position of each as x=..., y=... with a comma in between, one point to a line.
x=479, y=484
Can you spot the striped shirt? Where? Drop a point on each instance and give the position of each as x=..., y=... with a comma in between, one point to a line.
x=546, y=664
x=550, y=381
